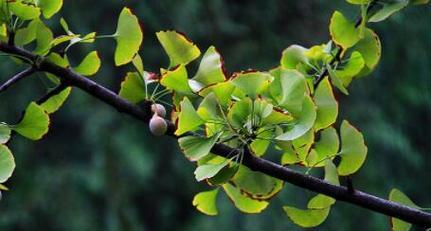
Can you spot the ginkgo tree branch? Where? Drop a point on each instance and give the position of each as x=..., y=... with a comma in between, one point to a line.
x=27, y=72
x=143, y=113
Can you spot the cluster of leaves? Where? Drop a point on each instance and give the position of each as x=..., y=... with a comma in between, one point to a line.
x=22, y=24
x=289, y=110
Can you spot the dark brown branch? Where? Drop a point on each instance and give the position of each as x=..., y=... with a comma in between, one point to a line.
x=27, y=72
x=362, y=199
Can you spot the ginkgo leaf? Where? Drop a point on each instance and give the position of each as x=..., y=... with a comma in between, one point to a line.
x=178, y=47
x=3, y=29
x=55, y=102
x=303, y=123
x=133, y=88
x=205, y=202
x=138, y=64
x=26, y=35
x=327, y=105
x=211, y=68
x=209, y=108
x=352, y=68
x=7, y=163
x=370, y=49
x=293, y=56
x=223, y=91
x=49, y=7
x=252, y=83
x=397, y=196
x=44, y=37
x=358, y=2
x=35, y=123
x=177, y=80
x=188, y=118
x=335, y=80
x=197, y=147
x=387, y=9
x=327, y=146
x=129, y=37
x=343, y=31
x=256, y=184
x=5, y=132
x=242, y=202
x=24, y=11
x=353, y=150
x=307, y=218
x=289, y=90
x=207, y=171
x=90, y=65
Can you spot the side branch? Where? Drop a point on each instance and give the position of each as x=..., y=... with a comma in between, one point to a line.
x=27, y=72
x=362, y=199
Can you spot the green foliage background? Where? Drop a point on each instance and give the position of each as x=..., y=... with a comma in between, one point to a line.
x=100, y=170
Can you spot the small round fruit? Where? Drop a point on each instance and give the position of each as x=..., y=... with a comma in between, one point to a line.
x=159, y=109
x=158, y=125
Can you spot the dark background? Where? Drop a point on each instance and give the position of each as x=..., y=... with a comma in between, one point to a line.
x=101, y=170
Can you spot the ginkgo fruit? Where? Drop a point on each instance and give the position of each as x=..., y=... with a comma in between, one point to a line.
x=158, y=125
x=158, y=109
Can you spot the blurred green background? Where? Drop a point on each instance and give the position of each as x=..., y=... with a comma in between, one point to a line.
x=101, y=170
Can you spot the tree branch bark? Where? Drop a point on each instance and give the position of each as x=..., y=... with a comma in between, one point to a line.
x=359, y=198
x=27, y=72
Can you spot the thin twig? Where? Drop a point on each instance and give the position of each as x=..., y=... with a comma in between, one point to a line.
x=27, y=72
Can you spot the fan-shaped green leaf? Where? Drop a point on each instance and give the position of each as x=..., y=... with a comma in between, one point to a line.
x=129, y=37
x=207, y=171
x=252, y=83
x=44, y=39
x=256, y=184
x=90, y=65
x=242, y=202
x=289, y=90
x=24, y=11
x=209, y=108
x=177, y=80
x=197, y=147
x=292, y=56
x=206, y=202
x=188, y=118
x=327, y=105
x=26, y=35
x=307, y=218
x=133, y=88
x=179, y=48
x=388, y=8
x=370, y=49
x=49, y=7
x=7, y=163
x=223, y=91
x=55, y=102
x=343, y=32
x=327, y=146
x=4, y=133
x=352, y=68
x=211, y=68
x=303, y=123
x=397, y=196
x=35, y=123
x=353, y=150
